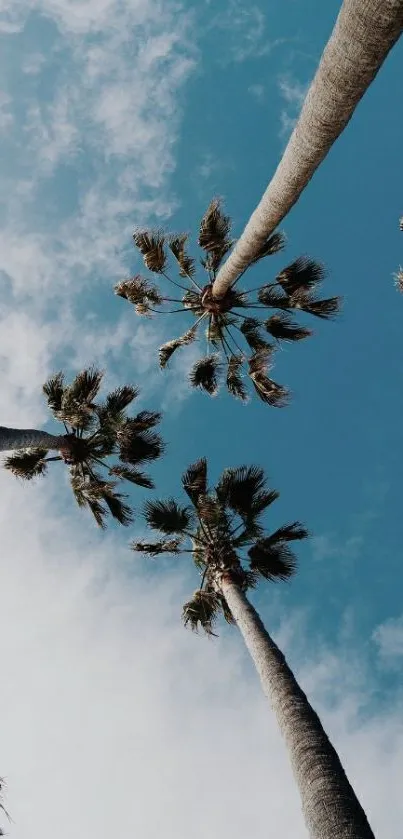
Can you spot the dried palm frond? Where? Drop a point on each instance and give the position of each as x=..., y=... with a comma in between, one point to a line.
x=283, y=328
x=85, y=386
x=167, y=516
x=194, y=480
x=271, y=296
x=301, y=275
x=192, y=300
x=273, y=244
x=186, y=263
x=268, y=390
x=215, y=228
x=151, y=244
x=27, y=464
x=254, y=338
x=234, y=381
x=273, y=562
x=205, y=372
x=53, y=390
x=146, y=420
x=201, y=610
x=169, y=546
x=325, y=309
x=134, y=476
x=139, y=291
x=166, y=351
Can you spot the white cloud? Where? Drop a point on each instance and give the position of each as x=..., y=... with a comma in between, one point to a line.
x=6, y=117
x=389, y=638
x=293, y=92
x=257, y=91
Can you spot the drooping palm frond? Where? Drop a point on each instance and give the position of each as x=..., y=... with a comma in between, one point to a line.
x=234, y=380
x=204, y=374
x=201, y=611
x=272, y=297
x=140, y=292
x=53, y=390
x=186, y=263
x=151, y=244
x=167, y=350
x=194, y=480
x=167, y=516
x=152, y=549
x=283, y=328
x=273, y=244
x=214, y=237
x=27, y=464
x=101, y=498
x=273, y=562
x=268, y=390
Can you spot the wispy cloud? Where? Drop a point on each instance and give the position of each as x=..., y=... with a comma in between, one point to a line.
x=293, y=93
x=388, y=637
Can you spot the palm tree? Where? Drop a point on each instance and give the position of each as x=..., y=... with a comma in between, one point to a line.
x=235, y=325
x=222, y=530
x=364, y=33
x=101, y=445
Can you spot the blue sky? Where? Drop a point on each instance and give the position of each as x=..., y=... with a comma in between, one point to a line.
x=114, y=115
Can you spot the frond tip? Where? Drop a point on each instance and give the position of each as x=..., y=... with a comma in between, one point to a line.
x=151, y=244
x=168, y=349
x=204, y=374
x=27, y=464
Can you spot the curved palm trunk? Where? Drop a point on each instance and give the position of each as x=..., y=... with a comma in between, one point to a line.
x=364, y=33
x=25, y=438
x=330, y=806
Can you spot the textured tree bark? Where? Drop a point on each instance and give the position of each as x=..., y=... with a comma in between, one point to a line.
x=24, y=438
x=330, y=806
x=364, y=33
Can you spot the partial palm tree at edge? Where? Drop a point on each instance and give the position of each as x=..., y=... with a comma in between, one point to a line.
x=101, y=446
x=364, y=33
x=222, y=531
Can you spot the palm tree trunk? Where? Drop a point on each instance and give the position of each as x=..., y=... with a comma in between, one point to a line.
x=25, y=438
x=364, y=33
x=330, y=806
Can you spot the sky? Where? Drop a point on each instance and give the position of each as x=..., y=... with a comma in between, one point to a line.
x=114, y=719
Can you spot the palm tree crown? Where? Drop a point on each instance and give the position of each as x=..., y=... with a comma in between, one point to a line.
x=236, y=323
x=103, y=446
x=227, y=539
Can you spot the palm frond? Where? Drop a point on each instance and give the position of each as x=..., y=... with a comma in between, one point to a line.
x=398, y=278
x=151, y=244
x=270, y=296
x=194, y=480
x=268, y=390
x=27, y=464
x=146, y=420
x=273, y=562
x=254, y=338
x=167, y=350
x=167, y=516
x=186, y=263
x=204, y=374
x=234, y=381
x=239, y=487
x=169, y=546
x=134, y=476
x=288, y=533
x=214, y=238
x=201, y=611
x=112, y=411
x=192, y=300
x=283, y=328
x=86, y=496
x=325, y=309
x=53, y=390
x=137, y=446
x=117, y=508
x=301, y=275
x=85, y=386
x=273, y=244
x=140, y=292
